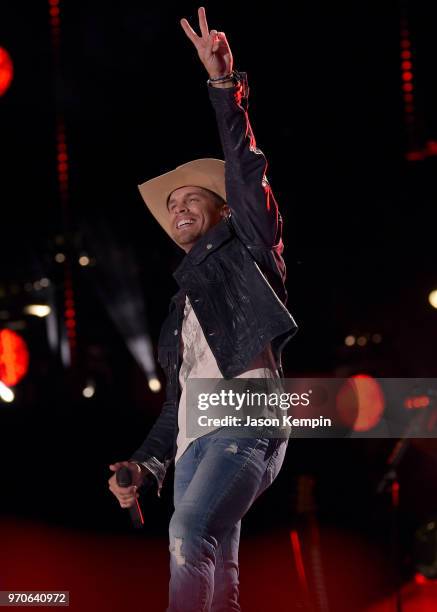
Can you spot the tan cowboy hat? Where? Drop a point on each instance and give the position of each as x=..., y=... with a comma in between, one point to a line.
x=208, y=173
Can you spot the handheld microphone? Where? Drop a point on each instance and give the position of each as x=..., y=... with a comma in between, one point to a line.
x=123, y=477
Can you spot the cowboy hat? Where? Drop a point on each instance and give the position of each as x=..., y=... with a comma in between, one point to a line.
x=207, y=172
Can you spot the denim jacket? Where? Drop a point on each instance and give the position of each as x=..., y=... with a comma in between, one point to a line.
x=234, y=276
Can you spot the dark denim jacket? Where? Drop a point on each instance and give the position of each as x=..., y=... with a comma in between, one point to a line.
x=234, y=276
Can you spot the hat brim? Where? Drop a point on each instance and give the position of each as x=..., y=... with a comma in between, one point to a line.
x=208, y=173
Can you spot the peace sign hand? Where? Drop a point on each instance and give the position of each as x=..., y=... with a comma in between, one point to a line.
x=212, y=47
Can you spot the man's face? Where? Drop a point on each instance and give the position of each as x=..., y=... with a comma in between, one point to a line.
x=193, y=210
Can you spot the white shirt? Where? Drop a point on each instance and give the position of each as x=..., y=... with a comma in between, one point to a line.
x=199, y=362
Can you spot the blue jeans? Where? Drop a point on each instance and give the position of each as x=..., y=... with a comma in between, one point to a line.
x=217, y=479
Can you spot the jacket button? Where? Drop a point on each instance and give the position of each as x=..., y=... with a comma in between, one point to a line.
x=209, y=246
x=175, y=332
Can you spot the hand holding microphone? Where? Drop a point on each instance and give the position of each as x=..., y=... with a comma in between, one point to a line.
x=124, y=484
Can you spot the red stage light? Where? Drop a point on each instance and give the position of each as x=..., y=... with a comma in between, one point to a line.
x=360, y=402
x=407, y=76
x=14, y=357
x=6, y=71
x=418, y=401
x=420, y=579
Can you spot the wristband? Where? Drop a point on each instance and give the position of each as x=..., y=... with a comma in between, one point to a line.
x=227, y=78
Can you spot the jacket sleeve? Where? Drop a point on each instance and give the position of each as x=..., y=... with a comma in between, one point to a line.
x=157, y=451
x=254, y=209
x=159, y=447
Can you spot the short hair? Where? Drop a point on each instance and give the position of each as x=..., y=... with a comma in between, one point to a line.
x=217, y=198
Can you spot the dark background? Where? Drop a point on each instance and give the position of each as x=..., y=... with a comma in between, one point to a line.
x=326, y=106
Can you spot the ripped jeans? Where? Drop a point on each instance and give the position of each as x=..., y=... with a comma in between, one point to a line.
x=217, y=479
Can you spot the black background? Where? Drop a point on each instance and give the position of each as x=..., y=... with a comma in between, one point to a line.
x=327, y=110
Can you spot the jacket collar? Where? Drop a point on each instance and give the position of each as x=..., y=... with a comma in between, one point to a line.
x=207, y=244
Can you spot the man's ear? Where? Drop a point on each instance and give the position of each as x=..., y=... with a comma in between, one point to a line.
x=225, y=211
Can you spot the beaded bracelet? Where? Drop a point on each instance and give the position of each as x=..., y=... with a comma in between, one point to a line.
x=227, y=78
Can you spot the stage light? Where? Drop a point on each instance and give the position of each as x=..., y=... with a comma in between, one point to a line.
x=6, y=394
x=349, y=340
x=89, y=391
x=44, y=282
x=38, y=310
x=376, y=338
x=433, y=298
x=84, y=260
x=14, y=357
x=362, y=341
x=6, y=71
x=37, y=285
x=417, y=402
x=154, y=385
x=60, y=257
x=360, y=402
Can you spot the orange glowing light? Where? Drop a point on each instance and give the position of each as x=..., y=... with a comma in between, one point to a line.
x=360, y=402
x=6, y=71
x=14, y=357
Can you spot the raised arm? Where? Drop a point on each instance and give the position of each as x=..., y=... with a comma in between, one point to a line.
x=249, y=195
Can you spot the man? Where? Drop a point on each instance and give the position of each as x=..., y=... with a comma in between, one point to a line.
x=228, y=320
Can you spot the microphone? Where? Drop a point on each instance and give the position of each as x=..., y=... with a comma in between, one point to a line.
x=123, y=477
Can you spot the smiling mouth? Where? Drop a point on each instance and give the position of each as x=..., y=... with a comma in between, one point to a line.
x=183, y=223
